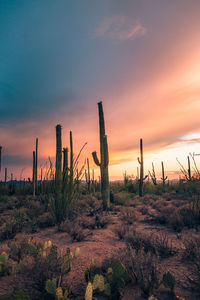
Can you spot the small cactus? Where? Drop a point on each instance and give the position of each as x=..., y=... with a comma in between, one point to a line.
x=169, y=281
x=89, y=291
x=50, y=286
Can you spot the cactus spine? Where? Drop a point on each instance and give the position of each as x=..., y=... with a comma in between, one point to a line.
x=163, y=178
x=104, y=159
x=141, y=162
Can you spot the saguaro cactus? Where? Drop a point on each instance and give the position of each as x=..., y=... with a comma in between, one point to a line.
x=189, y=169
x=65, y=160
x=36, y=162
x=153, y=175
x=88, y=176
x=141, y=162
x=33, y=173
x=104, y=159
x=71, y=176
x=58, y=174
x=163, y=178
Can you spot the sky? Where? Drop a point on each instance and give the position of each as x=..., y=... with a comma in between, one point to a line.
x=141, y=58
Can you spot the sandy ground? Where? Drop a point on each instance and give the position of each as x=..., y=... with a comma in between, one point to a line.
x=102, y=243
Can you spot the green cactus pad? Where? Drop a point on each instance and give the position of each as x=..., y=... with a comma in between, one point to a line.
x=96, y=282
x=169, y=280
x=101, y=283
x=118, y=268
x=89, y=291
x=77, y=252
x=3, y=258
x=50, y=286
x=107, y=289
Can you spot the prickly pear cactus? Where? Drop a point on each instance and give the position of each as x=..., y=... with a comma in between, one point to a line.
x=107, y=289
x=50, y=286
x=98, y=282
x=3, y=258
x=169, y=281
x=77, y=252
x=89, y=291
x=59, y=293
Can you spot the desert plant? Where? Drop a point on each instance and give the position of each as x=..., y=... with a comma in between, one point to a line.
x=153, y=175
x=163, y=178
x=103, y=164
x=5, y=267
x=109, y=282
x=143, y=269
x=141, y=162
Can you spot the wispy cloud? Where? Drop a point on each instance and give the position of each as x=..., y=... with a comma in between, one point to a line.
x=119, y=28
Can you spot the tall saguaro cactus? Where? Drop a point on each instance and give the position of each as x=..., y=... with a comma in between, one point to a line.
x=103, y=164
x=33, y=173
x=163, y=178
x=58, y=174
x=71, y=178
x=36, y=163
x=141, y=162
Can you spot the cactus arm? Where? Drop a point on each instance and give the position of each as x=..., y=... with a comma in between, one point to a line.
x=139, y=160
x=95, y=158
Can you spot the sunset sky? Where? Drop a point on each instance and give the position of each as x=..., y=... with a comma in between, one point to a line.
x=141, y=58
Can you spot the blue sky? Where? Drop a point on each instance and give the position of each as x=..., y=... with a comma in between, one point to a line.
x=59, y=58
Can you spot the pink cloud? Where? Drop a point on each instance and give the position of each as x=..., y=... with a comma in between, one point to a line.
x=119, y=28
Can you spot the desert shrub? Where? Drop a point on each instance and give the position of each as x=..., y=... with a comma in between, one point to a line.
x=176, y=221
x=157, y=245
x=163, y=246
x=45, y=220
x=122, y=231
x=44, y=261
x=4, y=198
x=139, y=241
x=192, y=249
x=143, y=210
x=143, y=268
x=194, y=280
x=75, y=230
x=14, y=225
x=121, y=198
x=18, y=250
x=129, y=216
x=17, y=295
